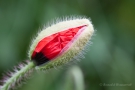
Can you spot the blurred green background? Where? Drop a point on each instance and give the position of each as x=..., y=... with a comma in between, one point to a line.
x=110, y=60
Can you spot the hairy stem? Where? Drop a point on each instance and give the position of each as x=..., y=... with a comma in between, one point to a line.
x=15, y=79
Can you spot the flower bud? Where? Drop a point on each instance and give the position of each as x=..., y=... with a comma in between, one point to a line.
x=58, y=44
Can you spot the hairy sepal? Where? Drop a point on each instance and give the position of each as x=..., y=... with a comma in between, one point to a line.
x=75, y=48
x=75, y=52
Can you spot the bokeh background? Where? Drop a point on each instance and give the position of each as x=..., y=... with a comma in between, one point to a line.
x=110, y=62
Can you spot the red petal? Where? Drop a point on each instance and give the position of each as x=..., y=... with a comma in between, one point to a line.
x=52, y=45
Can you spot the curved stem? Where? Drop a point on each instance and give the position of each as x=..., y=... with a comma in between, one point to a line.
x=16, y=78
x=74, y=79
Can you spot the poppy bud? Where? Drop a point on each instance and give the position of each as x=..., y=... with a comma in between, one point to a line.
x=58, y=44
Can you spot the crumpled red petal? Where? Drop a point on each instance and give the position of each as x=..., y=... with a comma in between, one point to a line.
x=52, y=45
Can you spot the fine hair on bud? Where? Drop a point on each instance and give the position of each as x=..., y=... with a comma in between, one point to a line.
x=61, y=43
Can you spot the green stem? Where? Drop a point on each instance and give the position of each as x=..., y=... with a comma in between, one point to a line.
x=74, y=79
x=18, y=76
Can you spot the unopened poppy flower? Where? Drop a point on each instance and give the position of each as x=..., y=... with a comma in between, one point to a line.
x=54, y=46
x=58, y=44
